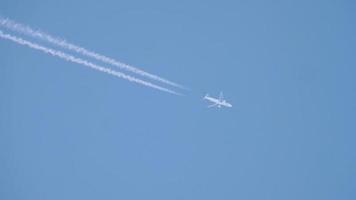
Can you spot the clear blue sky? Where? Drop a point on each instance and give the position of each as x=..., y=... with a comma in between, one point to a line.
x=288, y=67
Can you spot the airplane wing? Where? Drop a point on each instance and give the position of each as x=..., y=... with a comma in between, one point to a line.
x=212, y=105
x=221, y=96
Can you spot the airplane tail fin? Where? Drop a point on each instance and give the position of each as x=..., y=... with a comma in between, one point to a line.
x=206, y=96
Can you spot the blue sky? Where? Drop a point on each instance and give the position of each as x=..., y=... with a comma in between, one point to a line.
x=288, y=67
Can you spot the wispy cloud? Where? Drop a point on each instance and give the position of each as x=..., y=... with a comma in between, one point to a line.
x=80, y=61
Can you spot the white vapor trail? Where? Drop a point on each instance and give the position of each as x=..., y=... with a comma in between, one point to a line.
x=73, y=59
x=14, y=26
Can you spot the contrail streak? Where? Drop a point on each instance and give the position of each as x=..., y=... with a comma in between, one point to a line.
x=24, y=29
x=73, y=59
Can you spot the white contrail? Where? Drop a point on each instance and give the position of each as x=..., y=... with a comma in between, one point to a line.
x=71, y=58
x=24, y=29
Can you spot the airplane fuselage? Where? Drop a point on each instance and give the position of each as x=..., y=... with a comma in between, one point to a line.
x=218, y=102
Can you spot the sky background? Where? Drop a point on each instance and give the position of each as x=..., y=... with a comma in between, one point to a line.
x=288, y=68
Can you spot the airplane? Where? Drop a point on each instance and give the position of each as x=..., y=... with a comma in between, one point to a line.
x=217, y=102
